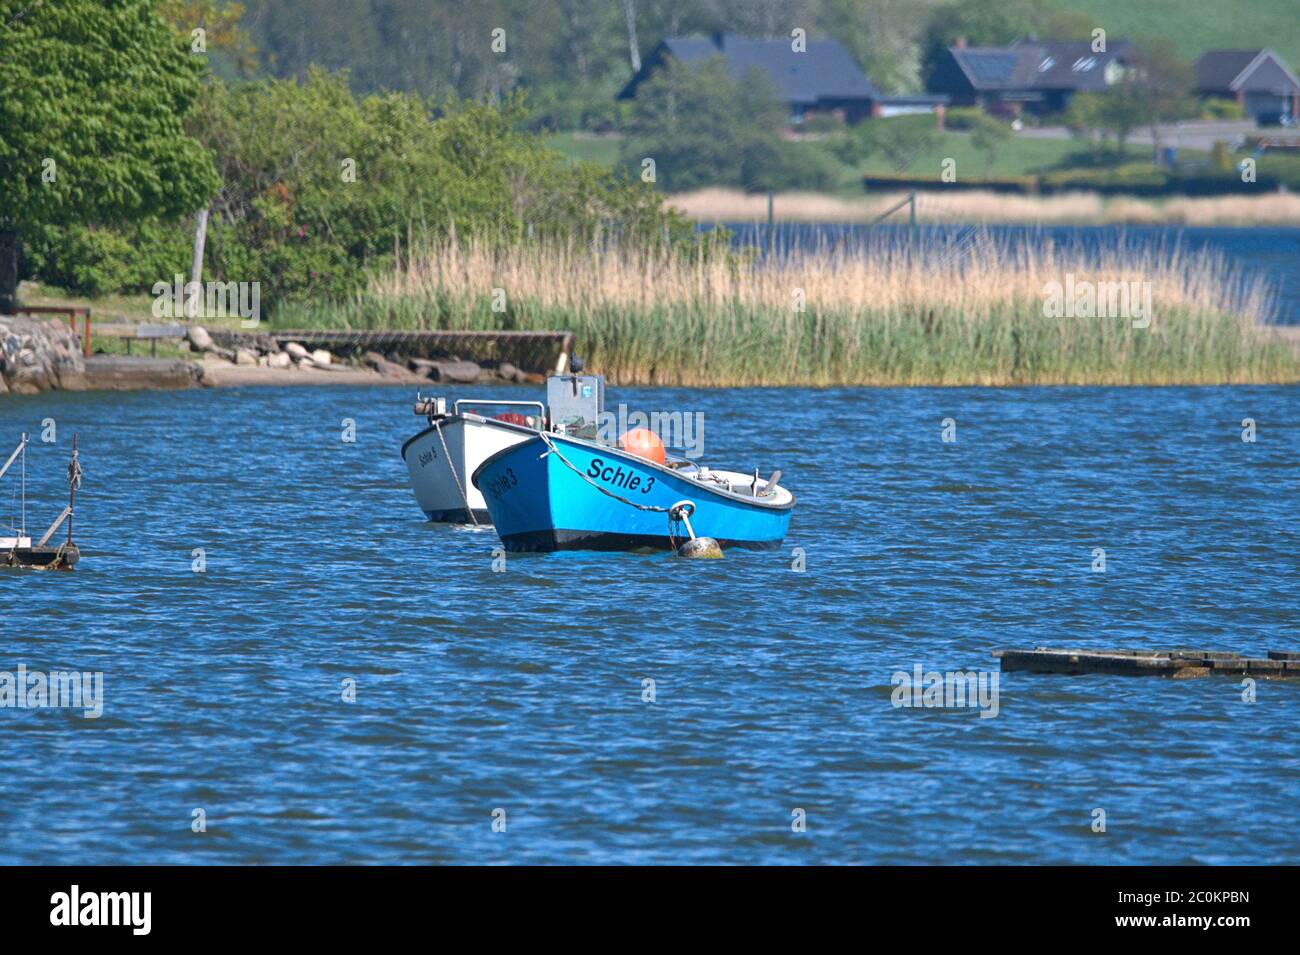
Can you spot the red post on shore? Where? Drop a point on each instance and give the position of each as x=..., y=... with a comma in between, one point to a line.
x=71, y=311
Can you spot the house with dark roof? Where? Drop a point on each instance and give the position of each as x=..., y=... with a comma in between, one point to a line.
x=1257, y=79
x=1035, y=76
x=822, y=78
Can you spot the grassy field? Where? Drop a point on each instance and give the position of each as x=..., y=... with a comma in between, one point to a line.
x=597, y=149
x=1199, y=25
x=1019, y=156
x=116, y=309
x=106, y=308
x=874, y=315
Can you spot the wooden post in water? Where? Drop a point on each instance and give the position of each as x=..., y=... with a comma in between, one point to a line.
x=771, y=226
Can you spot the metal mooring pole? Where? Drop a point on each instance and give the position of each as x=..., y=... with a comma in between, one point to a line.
x=74, y=473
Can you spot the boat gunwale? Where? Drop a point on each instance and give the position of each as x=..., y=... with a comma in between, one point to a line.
x=721, y=492
x=508, y=425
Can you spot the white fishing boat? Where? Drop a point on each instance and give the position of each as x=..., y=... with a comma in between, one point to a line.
x=441, y=458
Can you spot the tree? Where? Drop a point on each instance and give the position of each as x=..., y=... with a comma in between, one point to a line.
x=1083, y=119
x=319, y=185
x=634, y=51
x=882, y=36
x=91, y=129
x=901, y=140
x=1155, y=86
x=220, y=23
x=1091, y=117
x=988, y=136
x=701, y=128
x=1120, y=114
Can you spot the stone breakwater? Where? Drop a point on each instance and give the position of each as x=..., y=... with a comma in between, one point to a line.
x=38, y=354
x=248, y=350
x=43, y=354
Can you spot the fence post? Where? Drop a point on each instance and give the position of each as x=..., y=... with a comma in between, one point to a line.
x=771, y=226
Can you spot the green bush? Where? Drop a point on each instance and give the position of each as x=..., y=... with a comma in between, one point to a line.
x=78, y=259
x=819, y=123
x=1137, y=178
x=320, y=188
x=1216, y=107
x=1221, y=156
x=962, y=118
x=900, y=140
x=94, y=261
x=702, y=128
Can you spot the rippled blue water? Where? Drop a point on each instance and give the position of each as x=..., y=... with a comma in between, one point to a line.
x=522, y=690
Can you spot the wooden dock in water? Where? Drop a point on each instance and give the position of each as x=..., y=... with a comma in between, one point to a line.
x=1178, y=664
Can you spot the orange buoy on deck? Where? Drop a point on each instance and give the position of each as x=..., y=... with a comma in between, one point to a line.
x=644, y=443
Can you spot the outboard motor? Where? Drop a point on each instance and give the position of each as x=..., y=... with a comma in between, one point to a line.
x=431, y=408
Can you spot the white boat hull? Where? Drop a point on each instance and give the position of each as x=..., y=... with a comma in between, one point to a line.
x=441, y=478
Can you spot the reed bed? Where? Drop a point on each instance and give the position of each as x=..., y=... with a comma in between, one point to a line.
x=971, y=311
x=981, y=206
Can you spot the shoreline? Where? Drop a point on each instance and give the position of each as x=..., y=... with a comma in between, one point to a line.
x=117, y=374
x=215, y=373
x=984, y=207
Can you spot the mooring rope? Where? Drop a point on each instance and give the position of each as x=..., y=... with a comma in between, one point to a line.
x=677, y=513
x=605, y=491
x=446, y=456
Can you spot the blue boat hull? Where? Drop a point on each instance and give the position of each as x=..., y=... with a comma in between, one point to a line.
x=539, y=503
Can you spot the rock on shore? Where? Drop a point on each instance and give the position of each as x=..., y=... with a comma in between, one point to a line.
x=38, y=354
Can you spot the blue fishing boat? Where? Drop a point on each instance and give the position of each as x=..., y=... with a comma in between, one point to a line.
x=561, y=492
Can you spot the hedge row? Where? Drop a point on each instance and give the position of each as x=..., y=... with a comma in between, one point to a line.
x=1137, y=179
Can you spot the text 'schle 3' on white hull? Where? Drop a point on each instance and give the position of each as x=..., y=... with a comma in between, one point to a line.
x=541, y=475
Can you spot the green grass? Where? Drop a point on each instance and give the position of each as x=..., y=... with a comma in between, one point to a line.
x=1019, y=156
x=116, y=308
x=105, y=308
x=1196, y=26
x=597, y=149
x=165, y=348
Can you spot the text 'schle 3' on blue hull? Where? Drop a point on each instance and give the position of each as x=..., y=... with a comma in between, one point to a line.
x=547, y=482
x=560, y=493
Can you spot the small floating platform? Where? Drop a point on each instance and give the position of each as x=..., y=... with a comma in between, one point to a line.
x=1178, y=664
x=17, y=549
x=15, y=554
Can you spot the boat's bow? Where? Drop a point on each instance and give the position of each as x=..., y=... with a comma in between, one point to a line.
x=554, y=492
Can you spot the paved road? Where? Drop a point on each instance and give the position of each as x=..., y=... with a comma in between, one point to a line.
x=1196, y=134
